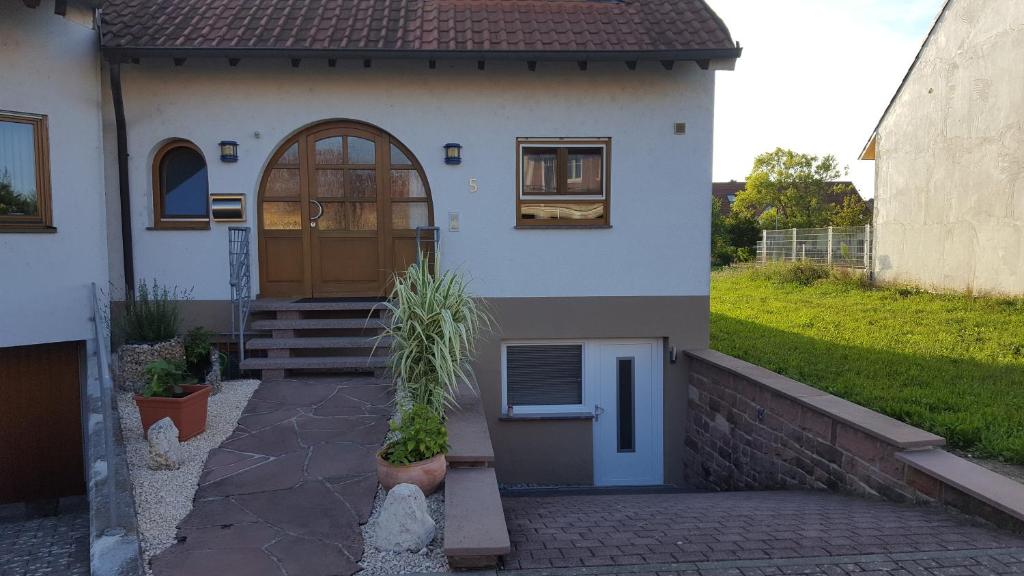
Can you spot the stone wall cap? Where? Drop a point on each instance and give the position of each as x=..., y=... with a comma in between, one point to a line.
x=994, y=489
x=889, y=430
x=469, y=440
x=474, y=516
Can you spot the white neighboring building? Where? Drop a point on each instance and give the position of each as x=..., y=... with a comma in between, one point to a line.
x=949, y=151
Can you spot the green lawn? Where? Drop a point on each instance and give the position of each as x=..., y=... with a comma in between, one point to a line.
x=953, y=365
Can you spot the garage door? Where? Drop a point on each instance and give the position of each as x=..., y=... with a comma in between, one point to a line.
x=41, y=422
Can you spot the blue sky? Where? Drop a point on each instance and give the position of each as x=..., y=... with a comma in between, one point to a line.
x=815, y=76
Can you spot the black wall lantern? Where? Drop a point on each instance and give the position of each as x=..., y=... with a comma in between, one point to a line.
x=228, y=151
x=452, y=154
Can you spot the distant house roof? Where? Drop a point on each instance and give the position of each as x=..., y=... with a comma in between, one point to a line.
x=722, y=191
x=492, y=29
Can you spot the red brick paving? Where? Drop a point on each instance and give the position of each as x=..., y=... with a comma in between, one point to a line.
x=742, y=530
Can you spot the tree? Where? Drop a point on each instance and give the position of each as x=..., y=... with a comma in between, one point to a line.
x=786, y=189
x=743, y=232
x=12, y=203
x=852, y=212
x=721, y=252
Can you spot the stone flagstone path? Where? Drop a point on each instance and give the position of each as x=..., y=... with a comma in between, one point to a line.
x=285, y=494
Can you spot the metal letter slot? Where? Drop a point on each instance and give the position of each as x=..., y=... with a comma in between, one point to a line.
x=227, y=207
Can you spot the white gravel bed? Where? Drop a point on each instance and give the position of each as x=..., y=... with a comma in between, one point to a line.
x=163, y=498
x=383, y=563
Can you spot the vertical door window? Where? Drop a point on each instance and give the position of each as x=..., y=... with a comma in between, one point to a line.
x=626, y=397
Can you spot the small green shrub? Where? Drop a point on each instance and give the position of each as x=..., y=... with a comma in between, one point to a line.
x=152, y=315
x=801, y=273
x=164, y=379
x=198, y=342
x=746, y=254
x=421, y=436
x=851, y=278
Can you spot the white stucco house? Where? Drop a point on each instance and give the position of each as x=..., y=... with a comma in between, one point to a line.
x=948, y=151
x=558, y=153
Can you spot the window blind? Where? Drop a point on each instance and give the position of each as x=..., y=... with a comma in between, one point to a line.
x=544, y=375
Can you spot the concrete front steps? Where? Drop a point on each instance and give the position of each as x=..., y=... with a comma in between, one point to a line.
x=475, y=533
x=322, y=335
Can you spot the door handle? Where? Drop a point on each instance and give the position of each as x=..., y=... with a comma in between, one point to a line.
x=319, y=213
x=598, y=411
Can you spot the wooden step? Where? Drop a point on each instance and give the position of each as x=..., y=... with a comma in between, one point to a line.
x=290, y=305
x=319, y=324
x=475, y=533
x=314, y=363
x=319, y=342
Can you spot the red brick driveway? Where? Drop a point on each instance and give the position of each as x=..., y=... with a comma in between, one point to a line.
x=749, y=534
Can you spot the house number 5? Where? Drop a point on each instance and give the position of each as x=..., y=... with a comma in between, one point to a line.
x=473, y=186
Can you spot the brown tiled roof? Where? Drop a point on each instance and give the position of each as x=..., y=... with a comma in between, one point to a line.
x=722, y=190
x=417, y=28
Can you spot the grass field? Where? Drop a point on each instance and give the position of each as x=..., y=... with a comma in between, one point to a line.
x=953, y=365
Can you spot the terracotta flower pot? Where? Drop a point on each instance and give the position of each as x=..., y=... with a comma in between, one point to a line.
x=426, y=474
x=187, y=413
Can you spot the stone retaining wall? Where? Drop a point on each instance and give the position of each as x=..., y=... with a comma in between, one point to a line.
x=752, y=429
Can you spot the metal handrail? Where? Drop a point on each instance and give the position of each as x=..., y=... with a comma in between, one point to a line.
x=107, y=408
x=241, y=284
x=435, y=239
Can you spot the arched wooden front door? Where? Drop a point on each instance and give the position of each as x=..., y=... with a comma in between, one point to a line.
x=339, y=206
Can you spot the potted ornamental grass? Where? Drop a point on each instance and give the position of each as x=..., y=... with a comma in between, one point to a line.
x=433, y=324
x=148, y=329
x=170, y=392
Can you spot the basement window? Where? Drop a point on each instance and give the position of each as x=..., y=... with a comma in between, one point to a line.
x=24, y=173
x=542, y=378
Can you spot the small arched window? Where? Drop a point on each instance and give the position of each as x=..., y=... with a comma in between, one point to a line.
x=181, y=188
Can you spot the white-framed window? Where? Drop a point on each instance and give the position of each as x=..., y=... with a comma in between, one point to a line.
x=541, y=377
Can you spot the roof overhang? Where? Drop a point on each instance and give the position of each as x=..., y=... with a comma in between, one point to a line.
x=868, y=153
x=61, y=6
x=703, y=57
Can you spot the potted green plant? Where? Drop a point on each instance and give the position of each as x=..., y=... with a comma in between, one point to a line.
x=433, y=325
x=149, y=329
x=417, y=454
x=171, y=393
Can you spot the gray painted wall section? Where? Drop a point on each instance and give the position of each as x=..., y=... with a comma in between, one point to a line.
x=949, y=207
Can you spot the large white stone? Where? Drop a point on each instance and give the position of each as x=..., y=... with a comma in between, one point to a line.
x=404, y=523
x=164, y=448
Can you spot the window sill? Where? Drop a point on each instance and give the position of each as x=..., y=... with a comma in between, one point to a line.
x=552, y=416
x=6, y=229
x=565, y=227
x=179, y=226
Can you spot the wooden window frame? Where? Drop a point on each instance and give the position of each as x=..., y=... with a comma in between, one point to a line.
x=159, y=221
x=43, y=221
x=563, y=145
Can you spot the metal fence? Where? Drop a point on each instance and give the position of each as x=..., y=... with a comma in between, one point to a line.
x=846, y=247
